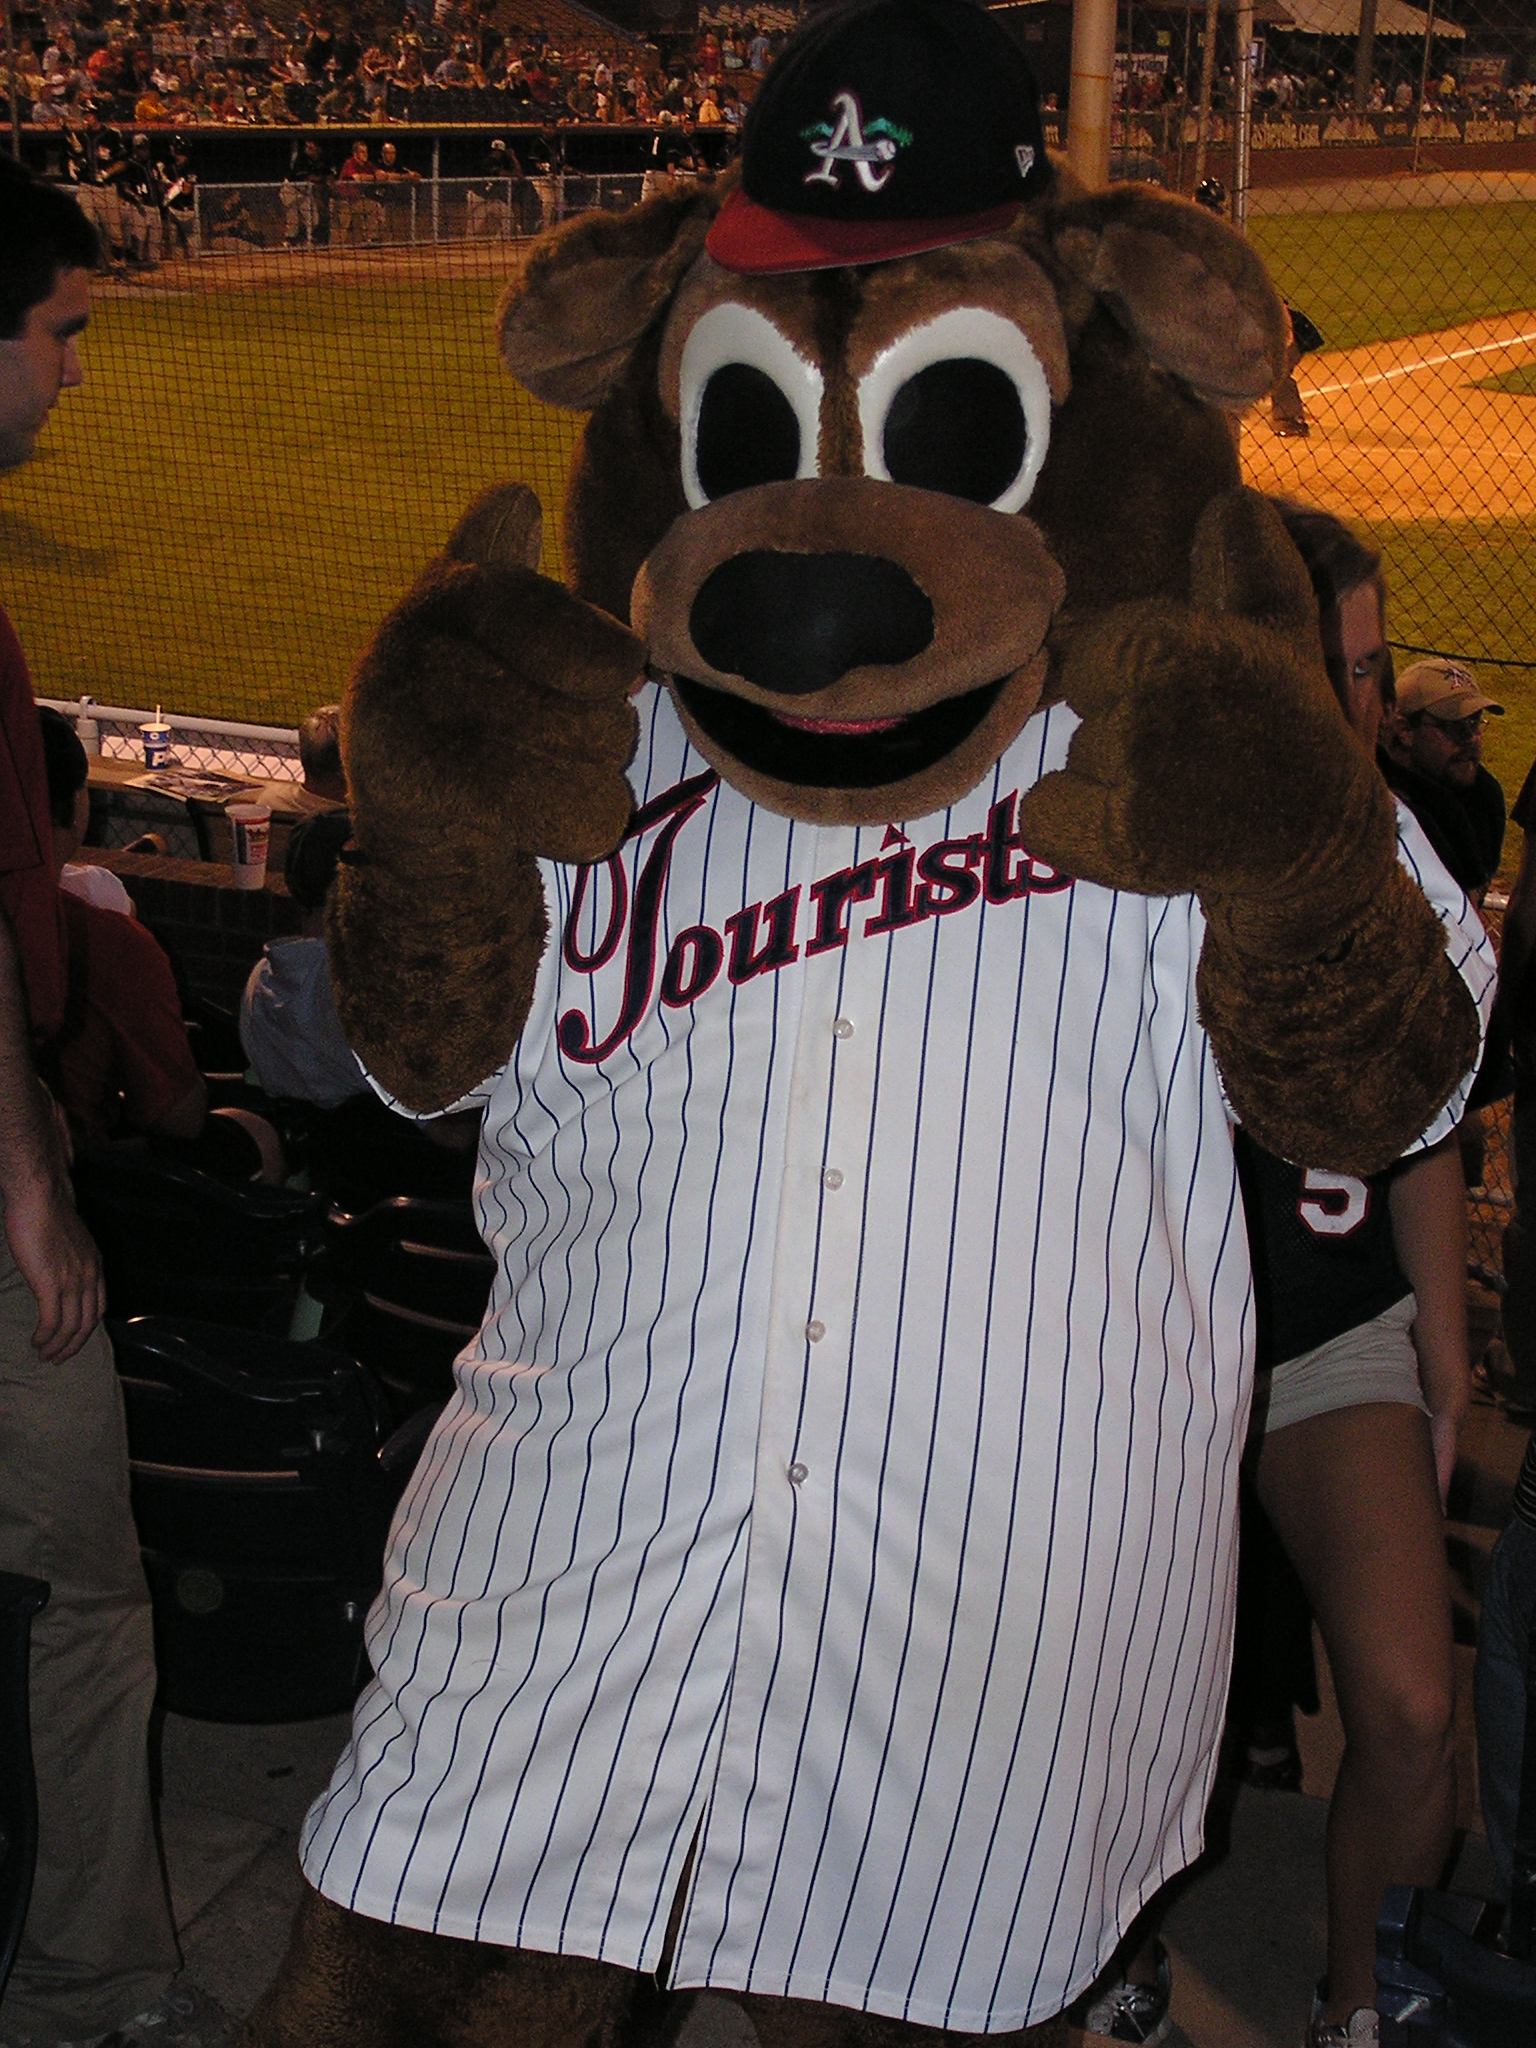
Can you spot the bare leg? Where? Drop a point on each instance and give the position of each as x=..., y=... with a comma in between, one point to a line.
x=1352, y=1497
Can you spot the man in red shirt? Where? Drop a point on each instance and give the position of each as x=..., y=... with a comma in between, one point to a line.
x=98, y=1949
x=123, y=1061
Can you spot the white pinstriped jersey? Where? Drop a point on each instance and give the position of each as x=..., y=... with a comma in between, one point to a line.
x=844, y=1474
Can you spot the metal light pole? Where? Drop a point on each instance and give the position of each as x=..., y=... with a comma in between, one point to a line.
x=1243, y=138
x=1207, y=87
x=1418, y=118
x=10, y=65
x=1365, y=54
x=1091, y=102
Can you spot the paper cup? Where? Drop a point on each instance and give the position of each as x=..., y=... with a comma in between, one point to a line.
x=250, y=827
x=156, y=735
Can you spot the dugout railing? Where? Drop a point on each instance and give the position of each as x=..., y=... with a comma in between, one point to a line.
x=293, y=214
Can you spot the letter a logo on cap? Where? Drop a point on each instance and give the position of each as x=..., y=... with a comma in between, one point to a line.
x=845, y=141
x=928, y=103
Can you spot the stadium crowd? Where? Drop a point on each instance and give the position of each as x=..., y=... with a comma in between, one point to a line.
x=146, y=64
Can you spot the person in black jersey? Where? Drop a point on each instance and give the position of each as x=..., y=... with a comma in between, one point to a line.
x=1364, y=1381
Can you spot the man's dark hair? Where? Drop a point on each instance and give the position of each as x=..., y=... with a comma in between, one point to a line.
x=64, y=763
x=320, y=745
x=1337, y=560
x=42, y=231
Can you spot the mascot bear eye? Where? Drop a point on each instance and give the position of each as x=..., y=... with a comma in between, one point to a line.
x=749, y=405
x=957, y=427
x=747, y=432
x=960, y=405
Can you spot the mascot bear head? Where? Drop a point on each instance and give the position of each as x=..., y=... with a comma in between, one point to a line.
x=863, y=421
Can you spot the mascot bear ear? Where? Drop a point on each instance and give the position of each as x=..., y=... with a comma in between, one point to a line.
x=568, y=325
x=1186, y=287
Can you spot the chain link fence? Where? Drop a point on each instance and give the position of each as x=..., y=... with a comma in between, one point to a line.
x=240, y=491
x=1382, y=158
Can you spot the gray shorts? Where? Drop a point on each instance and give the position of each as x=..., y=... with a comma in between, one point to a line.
x=1374, y=1362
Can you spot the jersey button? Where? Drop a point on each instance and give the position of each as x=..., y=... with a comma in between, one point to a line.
x=843, y=1028
x=798, y=1474
x=832, y=1178
x=815, y=1331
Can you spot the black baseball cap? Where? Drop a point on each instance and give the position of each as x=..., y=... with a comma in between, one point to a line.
x=884, y=128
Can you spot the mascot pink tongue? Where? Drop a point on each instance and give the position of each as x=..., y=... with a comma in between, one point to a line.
x=818, y=1585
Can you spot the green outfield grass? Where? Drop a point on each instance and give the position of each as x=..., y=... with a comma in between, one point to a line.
x=247, y=481
x=250, y=478
x=1363, y=277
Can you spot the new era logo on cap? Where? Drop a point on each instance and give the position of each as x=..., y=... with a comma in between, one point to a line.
x=885, y=127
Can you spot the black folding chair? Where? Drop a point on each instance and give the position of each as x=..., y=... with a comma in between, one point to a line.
x=409, y=1282
x=20, y=1599
x=262, y=1505
x=175, y=1241
x=1447, y=1974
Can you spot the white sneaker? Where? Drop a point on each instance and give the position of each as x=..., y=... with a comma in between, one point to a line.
x=1134, y=2012
x=184, y=2016
x=1361, y=2030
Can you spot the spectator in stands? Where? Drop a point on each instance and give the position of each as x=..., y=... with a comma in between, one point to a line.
x=98, y=1944
x=288, y=1022
x=359, y=215
x=123, y=1059
x=180, y=205
x=272, y=104
x=319, y=50
x=488, y=202
x=348, y=49
x=373, y=71
x=360, y=1152
x=1431, y=755
x=341, y=105
x=320, y=754
x=149, y=108
x=410, y=68
x=141, y=189
x=455, y=68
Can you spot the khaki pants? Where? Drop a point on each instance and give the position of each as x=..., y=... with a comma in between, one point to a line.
x=99, y=1945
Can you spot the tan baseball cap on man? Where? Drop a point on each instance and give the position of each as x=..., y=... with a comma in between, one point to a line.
x=1443, y=688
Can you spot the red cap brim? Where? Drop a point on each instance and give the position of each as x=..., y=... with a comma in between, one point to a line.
x=749, y=237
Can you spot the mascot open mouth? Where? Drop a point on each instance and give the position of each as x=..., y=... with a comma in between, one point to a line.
x=834, y=753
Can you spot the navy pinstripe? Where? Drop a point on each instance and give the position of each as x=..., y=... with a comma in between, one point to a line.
x=843, y=1477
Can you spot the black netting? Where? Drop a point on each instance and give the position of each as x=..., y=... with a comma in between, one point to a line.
x=285, y=414
x=1394, y=199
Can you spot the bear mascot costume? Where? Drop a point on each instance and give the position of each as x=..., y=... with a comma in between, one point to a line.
x=862, y=905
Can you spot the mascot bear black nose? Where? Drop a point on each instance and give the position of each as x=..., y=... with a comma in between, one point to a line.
x=795, y=623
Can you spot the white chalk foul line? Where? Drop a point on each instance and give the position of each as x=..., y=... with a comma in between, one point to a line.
x=1455, y=355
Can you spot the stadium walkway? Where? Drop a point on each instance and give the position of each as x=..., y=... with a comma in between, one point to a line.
x=1246, y=1930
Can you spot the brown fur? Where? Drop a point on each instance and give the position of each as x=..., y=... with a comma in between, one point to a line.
x=349, y=1982
x=1193, y=295
x=992, y=585
x=489, y=724
x=518, y=747
x=1212, y=757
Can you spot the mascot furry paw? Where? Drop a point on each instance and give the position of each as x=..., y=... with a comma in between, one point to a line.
x=818, y=1586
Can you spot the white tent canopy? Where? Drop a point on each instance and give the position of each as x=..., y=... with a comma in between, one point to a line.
x=1342, y=18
